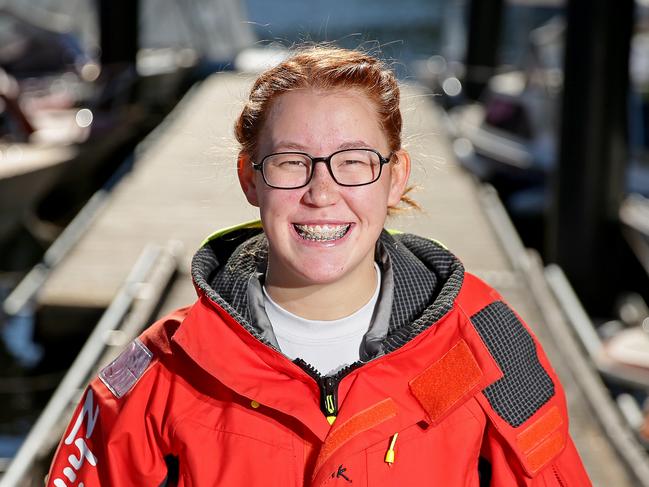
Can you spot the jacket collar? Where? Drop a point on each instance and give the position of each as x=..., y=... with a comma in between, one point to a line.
x=425, y=279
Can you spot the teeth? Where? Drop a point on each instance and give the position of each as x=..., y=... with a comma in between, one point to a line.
x=321, y=232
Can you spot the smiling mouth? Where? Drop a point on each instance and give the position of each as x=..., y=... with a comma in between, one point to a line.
x=322, y=233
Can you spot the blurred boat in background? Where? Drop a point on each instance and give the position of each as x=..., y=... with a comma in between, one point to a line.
x=67, y=123
x=510, y=137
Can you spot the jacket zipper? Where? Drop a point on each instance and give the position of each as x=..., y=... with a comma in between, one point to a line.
x=558, y=476
x=328, y=386
x=329, y=398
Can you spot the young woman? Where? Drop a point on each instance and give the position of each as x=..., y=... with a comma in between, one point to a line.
x=324, y=350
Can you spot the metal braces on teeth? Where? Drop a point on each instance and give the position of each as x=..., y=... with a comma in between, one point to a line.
x=313, y=235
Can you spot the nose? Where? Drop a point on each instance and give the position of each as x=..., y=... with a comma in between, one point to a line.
x=322, y=190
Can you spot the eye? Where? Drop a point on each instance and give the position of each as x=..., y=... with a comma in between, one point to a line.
x=351, y=162
x=292, y=162
x=288, y=161
x=354, y=158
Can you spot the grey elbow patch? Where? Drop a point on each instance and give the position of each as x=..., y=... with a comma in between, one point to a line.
x=525, y=386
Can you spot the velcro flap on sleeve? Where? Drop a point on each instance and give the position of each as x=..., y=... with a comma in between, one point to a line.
x=542, y=440
x=442, y=385
x=538, y=441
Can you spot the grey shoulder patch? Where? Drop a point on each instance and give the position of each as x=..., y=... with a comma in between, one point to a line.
x=525, y=385
x=122, y=373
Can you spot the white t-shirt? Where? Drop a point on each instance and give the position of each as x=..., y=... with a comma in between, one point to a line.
x=327, y=345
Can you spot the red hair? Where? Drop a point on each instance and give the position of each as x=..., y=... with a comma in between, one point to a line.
x=322, y=68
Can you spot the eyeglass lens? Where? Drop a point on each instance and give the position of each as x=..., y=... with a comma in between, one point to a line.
x=349, y=167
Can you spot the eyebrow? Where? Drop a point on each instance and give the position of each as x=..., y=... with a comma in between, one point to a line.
x=352, y=144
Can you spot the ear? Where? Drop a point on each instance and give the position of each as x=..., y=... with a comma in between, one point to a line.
x=247, y=178
x=399, y=175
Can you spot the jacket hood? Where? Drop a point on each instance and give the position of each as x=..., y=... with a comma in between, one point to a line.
x=425, y=278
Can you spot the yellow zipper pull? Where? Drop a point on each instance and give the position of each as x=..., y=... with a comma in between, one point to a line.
x=389, y=456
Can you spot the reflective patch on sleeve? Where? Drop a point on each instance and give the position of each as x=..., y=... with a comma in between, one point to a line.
x=122, y=373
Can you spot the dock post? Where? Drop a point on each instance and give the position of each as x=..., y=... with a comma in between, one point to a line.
x=118, y=26
x=588, y=183
x=484, y=26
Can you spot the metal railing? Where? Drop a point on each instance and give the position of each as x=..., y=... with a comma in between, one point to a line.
x=127, y=315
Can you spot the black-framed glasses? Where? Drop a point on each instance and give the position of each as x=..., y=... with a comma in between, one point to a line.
x=348, y=167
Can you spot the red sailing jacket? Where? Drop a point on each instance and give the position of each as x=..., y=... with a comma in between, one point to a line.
x=468, y=399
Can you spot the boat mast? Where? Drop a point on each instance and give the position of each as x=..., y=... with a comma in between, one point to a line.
x=485, y=20
x=588, y=184
x=118, y=26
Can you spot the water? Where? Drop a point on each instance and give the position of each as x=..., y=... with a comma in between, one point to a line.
x=17, y=335
x=22, y=394
x=404, y=30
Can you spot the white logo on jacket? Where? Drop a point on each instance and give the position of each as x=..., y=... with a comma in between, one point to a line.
x=76, y=462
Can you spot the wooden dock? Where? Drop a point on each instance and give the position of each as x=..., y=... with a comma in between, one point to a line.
x=184, y=186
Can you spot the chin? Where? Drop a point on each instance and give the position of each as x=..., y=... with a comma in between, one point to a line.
x=325, y=274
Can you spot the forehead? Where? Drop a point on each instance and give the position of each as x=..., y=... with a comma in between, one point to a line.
x=332, y=95
x=321, y=119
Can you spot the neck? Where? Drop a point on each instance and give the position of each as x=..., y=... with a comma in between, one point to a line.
x=314, y=301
